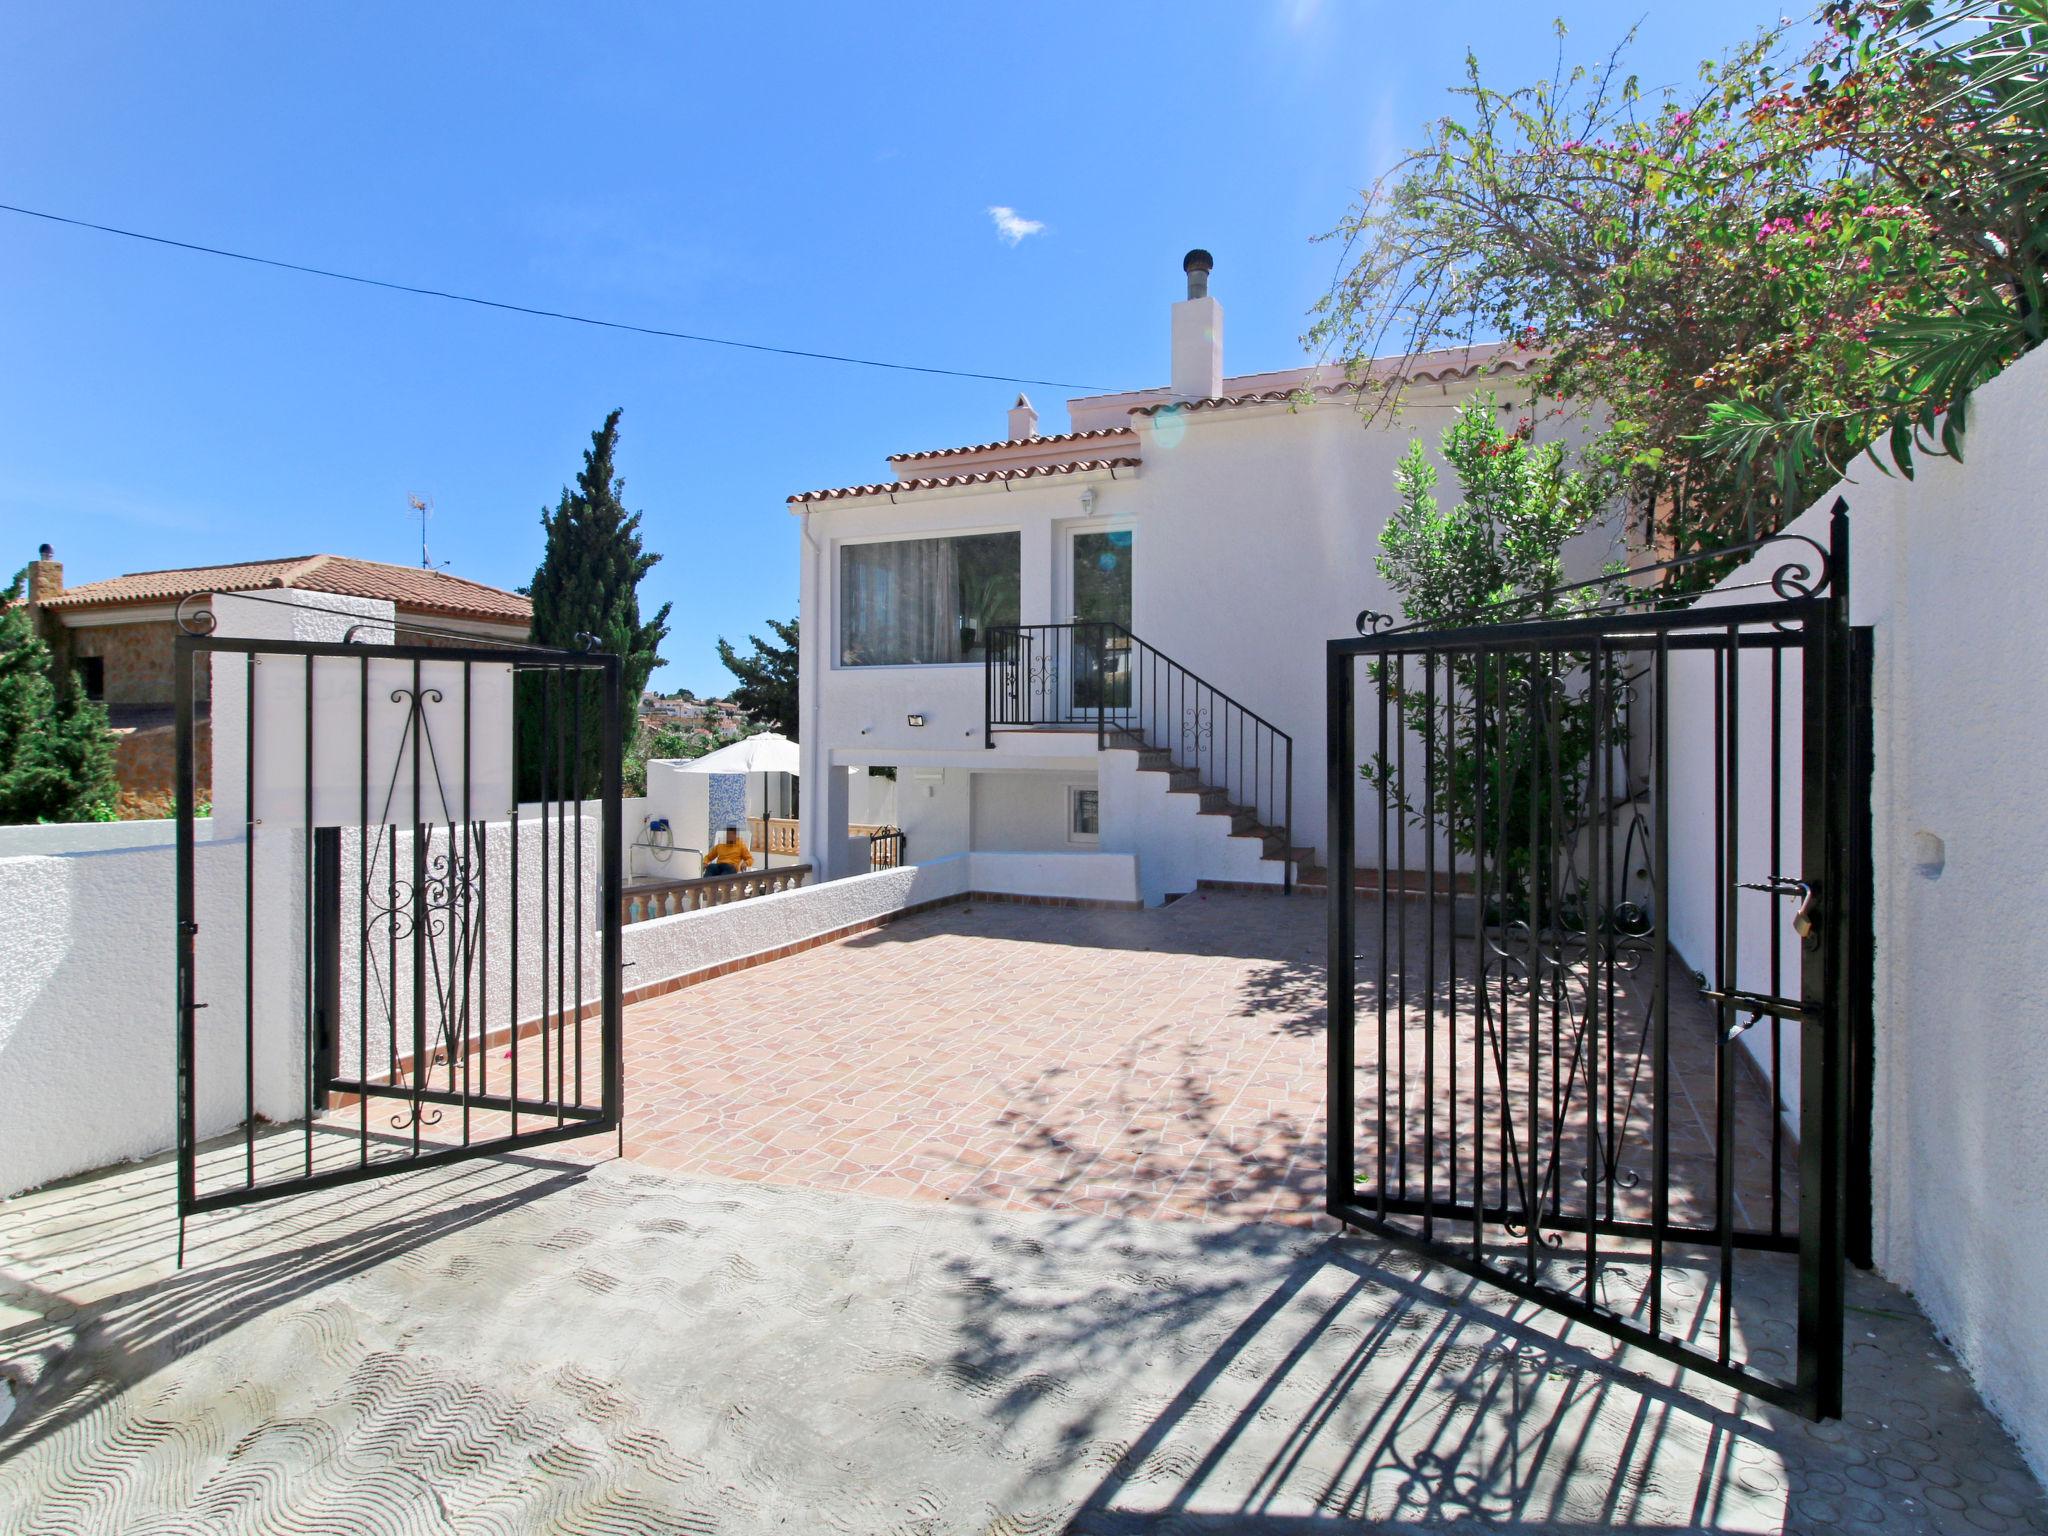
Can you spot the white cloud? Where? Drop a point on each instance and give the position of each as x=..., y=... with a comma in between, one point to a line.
x=1011, y=227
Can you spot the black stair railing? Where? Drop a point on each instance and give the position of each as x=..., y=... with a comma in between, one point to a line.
x=1098, y=676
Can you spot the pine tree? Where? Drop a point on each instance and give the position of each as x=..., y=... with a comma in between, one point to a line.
x=767, y=686
x=588, y=584
x=56, y=758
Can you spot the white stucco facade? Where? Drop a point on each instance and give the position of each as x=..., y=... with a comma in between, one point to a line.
x=1254, y=513
x=1946, y=570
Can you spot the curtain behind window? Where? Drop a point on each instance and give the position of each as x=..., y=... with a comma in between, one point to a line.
x=925, y=601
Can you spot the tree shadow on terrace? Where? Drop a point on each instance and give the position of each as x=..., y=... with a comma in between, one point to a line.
x=1304, y=1383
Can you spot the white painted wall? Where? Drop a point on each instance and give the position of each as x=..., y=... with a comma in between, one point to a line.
x=934, y=807
x=695, y=941
x=1026, y=811
x=1076, y=876
x=685, y=800
x=94, y=836
x=1256, y=530
x=1947, y=569
x=88, y=1022
x=870, y=799
x=1175, y=845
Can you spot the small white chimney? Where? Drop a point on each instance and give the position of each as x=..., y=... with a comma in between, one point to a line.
x=1197, y=334
x=1023, y=419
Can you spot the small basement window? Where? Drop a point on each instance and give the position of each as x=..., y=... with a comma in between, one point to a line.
x=1084, y=814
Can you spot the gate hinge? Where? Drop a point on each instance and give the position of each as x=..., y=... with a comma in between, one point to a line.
x=189, y=926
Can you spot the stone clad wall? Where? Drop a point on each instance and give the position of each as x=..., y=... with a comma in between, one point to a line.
x=146, y=763
x=140, y=659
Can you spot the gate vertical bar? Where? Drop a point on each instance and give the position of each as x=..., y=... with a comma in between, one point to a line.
x=1476, y=744
x=363, y=910
x=1340, y=689
x=1429, y=912
x=612, y=1028
x=582, y=792
x=1858, y=974
x=468, y=868
x=1379, y=676
x=185, y=658
x=417, y=727
x=249, y=918
x=1726, y=1083
x=1596, y=927
x=311, y=937
x=1823, y=1111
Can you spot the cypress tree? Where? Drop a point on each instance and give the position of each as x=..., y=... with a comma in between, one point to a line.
x=587, y=584
x=767, y=686
x=56, y=758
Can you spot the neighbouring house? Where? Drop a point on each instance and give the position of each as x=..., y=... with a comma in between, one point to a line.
x=1101, y=650
x=117, y=637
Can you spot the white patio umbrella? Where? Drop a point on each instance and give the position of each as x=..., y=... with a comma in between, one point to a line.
x=766, y=753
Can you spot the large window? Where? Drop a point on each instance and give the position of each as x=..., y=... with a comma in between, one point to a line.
x=911, y=602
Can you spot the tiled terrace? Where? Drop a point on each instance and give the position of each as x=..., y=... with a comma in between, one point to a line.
x=1166, y=1063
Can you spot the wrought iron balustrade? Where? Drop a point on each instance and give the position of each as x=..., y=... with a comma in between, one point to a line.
x=885, y=848
x=1098, y=676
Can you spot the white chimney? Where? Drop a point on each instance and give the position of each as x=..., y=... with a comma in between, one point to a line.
x=1197, y=334
x=1023, y=419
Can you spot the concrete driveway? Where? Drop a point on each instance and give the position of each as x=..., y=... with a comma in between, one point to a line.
x=524, y=1345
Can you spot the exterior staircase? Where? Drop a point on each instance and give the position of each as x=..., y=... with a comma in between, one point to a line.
x=1243, y=820
x=1190, y=738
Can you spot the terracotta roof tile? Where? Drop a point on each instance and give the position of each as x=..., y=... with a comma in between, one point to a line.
x=1015, y=442
x=407, y=587
x=978, y=477
x=1472, y=364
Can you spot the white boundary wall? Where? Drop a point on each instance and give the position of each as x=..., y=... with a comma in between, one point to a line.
x=88, y=1023
x=690, y=942
x=1947, y=568
x=88, y=1020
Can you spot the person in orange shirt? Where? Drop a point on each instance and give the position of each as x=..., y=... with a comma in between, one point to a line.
x=730, y=856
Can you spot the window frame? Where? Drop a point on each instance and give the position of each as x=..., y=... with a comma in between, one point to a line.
x=1079, y=839
x=837, y=555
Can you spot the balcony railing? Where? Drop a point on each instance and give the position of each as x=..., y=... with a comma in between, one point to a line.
x=778, y=836
x=671, y=898
x=1098, y=676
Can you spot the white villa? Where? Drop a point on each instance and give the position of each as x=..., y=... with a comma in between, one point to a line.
x=1160, y=581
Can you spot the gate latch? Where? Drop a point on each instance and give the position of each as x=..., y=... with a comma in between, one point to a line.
x=1805, y=917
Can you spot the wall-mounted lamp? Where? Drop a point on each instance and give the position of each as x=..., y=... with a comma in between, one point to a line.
x=1088, y=500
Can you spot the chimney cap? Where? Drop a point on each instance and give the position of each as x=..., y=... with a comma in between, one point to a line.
x=46, y=553
x=1198, y=260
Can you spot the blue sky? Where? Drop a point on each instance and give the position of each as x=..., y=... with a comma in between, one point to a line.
x=816, y=176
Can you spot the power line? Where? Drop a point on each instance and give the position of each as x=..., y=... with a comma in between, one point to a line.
x=527, y=309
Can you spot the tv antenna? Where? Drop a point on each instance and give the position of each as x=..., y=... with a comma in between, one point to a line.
x=422, y=507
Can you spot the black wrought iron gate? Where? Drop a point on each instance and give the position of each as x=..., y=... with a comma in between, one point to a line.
x=1599, y=987
x=396, y=934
